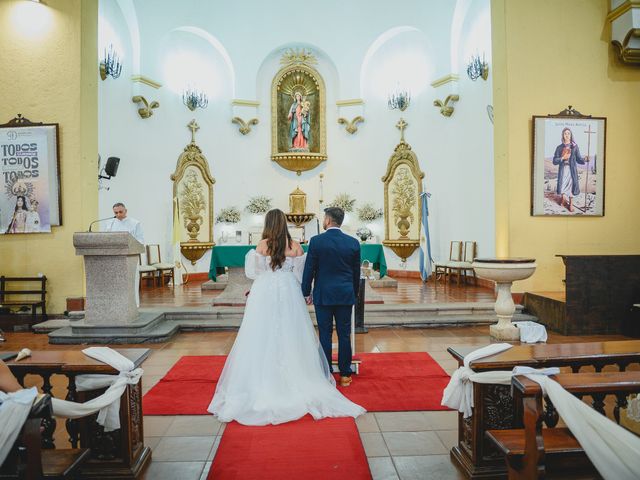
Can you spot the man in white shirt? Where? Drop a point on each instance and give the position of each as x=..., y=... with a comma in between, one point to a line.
x=122, y=223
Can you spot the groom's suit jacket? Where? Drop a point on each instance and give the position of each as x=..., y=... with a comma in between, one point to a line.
x=333, y=263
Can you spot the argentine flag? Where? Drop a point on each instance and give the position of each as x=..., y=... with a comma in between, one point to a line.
x=426, y=261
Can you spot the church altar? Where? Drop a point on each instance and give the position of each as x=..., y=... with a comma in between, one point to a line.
x=233, y=256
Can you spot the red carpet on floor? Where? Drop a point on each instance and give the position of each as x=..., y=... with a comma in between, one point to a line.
x=304, y=449
x=388, y=382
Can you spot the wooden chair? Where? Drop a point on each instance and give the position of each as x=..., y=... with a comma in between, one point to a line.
x=28, y=460
x=531, y=450
x=165, y=270
x=455, y=255
x=20, y=289
x=146, y=272
x=464, y=265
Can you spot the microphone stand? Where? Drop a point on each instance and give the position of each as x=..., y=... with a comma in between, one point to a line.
x=100, y=220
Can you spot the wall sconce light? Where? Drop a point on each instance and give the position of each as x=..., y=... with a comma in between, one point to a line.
x=193, y=98
x=478, y=68
x=111, y=64
x=400, y=99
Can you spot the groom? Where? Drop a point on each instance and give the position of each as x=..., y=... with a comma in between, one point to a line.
x=333, y=264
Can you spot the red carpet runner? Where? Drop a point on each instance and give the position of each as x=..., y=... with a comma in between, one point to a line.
x=388, y=382
x=305, y=449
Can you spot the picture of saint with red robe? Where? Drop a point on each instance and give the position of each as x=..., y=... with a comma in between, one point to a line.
x=299, y=124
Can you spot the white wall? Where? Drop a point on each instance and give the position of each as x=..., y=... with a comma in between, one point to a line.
x=361, y=49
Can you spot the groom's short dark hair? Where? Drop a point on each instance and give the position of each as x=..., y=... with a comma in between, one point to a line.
x=336, y=214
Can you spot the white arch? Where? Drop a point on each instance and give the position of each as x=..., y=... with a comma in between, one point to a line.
x=375, y=46
x=459, y=14
x=128, y=10
x=217, y=45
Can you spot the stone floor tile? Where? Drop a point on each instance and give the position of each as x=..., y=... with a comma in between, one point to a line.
x=183, y=449
x=382, y=468
x=427, y=467
x=174, y=471
x=374, y=445
x=156, y=425
x=441, y=420
x=414, y=443
x=193, y=425
x=449, y=438
x=402, y=421
x=367, y=423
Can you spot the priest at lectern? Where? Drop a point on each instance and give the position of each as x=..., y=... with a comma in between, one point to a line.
x=122, y=223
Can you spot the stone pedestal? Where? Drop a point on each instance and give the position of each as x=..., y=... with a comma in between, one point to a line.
x=110, y=260
x=504, y=271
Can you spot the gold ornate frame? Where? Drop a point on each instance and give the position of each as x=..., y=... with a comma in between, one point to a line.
x=402, y=156
x=192, y=156
x=298, y=161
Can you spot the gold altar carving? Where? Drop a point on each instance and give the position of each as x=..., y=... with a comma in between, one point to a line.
x=402, y=207
x=298, y=214
x=298, y=110
x=193, y=189
x=244, y=127
x=351, y=126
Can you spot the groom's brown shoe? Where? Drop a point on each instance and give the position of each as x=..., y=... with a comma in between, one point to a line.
x=345, y=381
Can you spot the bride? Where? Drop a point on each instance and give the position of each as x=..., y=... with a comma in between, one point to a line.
x=276, y=371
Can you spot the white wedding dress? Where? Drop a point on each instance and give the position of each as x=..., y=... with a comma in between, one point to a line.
x=276, y=371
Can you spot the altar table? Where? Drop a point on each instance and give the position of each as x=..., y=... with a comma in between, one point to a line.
x=494, y=408
x=233, y=256
x=118, y=454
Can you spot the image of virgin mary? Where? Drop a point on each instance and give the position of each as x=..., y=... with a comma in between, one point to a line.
x=299, y=124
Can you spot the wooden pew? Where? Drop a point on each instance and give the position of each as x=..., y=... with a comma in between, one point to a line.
x=529, y=450
x=494, y=406
x=120, y=454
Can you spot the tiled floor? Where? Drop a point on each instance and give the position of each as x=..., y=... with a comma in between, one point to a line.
x=409, y=290
x=399, y=445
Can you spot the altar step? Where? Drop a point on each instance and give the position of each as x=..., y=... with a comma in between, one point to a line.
x=154, y=326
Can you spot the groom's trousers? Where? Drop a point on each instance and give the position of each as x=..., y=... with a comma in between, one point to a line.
x=342, y=314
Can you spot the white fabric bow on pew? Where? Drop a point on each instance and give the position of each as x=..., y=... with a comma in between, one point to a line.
x=612, y=449
x=109, y=402
x=458, y=395
x=14, y=410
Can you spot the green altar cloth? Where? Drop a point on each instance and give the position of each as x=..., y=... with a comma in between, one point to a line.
x=233, y=256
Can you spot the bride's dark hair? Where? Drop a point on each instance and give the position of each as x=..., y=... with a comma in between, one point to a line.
x=277, y=235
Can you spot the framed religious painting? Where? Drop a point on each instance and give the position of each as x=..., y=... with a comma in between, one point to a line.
x=298, y=126
x=30, y=177
x=568, y=165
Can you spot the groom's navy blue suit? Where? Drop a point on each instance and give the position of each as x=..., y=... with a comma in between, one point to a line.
x=333, y=264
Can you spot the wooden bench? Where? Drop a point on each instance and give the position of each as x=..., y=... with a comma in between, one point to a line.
x=29, y=460
x=528, y=451
x=9, y=293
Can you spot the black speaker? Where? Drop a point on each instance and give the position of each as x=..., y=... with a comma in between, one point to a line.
x=111, y=168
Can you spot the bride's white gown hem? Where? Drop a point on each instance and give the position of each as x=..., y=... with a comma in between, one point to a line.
x=276, y=371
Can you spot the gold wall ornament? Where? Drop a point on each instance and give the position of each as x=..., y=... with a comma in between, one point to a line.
x=351, y=126
x=147, y=110
x=446, y=109
x=193, y=187
x=298, y=56
x=298, y=110
x=244, y=127
x=402, y=189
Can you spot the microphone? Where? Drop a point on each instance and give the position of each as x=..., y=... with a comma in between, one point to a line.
x=101, y=220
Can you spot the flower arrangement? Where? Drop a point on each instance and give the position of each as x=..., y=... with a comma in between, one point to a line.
x=343, y=201
x=259, y=204
x=363, y=233
x=228, y=215
x=369, y=213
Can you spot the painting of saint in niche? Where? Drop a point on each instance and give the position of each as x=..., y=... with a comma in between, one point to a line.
x=568, y=166
x=298, y=113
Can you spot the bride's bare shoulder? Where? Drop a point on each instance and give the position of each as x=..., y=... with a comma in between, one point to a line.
x=296, y=249
x=261, y=248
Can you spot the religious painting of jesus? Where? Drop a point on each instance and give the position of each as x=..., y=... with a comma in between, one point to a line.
x=568, y=165
x=298, y=114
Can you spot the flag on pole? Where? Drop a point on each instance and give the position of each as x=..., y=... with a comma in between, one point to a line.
x=175, y=241
x=426, y=261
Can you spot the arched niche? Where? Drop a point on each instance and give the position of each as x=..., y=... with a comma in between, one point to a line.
x=402, y=206
x=193, y=202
